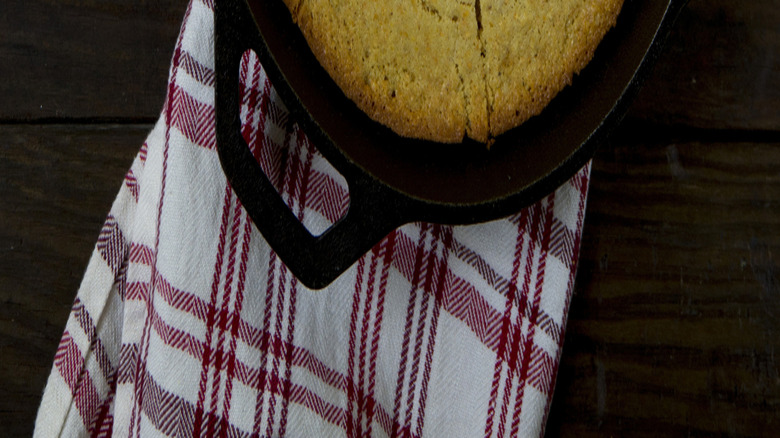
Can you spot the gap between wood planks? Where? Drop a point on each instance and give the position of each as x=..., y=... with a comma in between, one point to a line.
x=629, y=128
x=80, y=121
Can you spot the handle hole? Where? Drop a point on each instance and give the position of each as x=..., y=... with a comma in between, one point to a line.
x=310, y=187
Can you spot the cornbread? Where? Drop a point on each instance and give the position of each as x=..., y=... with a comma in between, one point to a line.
x=444, y=69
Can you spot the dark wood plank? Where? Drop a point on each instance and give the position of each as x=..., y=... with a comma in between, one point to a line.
x=674, y=326
x=57, y=184
x=86, y=59
x=720, y=68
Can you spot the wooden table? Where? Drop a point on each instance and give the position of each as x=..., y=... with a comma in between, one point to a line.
x=674, y=328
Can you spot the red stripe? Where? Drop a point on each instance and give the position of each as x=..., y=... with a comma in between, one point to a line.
x=544, y=239
x=292, y=179
x=274, y=264
x=428, y=268
x=194, y=119
x=132, y=184
x=222, y=317
x=120, y=282
x=128, y=358
x=264, y=340
x=278, y=113
x=540, y=369
x=177, y=338
x=308, y=398
x=198, y=71
x=135, y=421
x=286, y=388
x=184, y=301
x=200, y=408
x=501, y=284
x=235, y=324
x=367, y=311
x=405, y=260
x=71, y=365
x=272, y=385
x=370, y=408
x=385, y=422
x=176, y=298
x=515, y=329
x=266, y=343
x=97, y=349
x=111, y=245
x=562, y=242
x=438, y=292
x=168, y=413
x=255, y=378
x=524, y=310
x=103, y=423
x=357, y=296
x=293, y=174
x=271, y=156
x=328, y=197
x=551, y=327
x=463, y=301
x=142, y=254
x=418, y=262
x=461, y=298
x=288, y=352
x=254, y=95
x=172, y=337
x=505, y=322
x=471, y=258
x=299, y=357
x=142, y=152
x=248, y=93
x=272, y=160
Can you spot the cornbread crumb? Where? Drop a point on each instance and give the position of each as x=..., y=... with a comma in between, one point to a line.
x=443, y=70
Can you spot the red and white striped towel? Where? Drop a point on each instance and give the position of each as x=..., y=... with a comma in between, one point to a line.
x=187, y=324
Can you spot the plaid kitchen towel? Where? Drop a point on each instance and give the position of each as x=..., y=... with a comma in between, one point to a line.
x=187, y=324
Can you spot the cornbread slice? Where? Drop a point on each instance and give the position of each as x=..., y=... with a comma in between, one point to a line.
x=533, y=48
x=444, y=69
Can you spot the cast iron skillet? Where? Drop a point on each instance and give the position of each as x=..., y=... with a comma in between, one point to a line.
x=394, y=180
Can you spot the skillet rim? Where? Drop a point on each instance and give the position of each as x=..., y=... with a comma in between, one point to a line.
x=375, y=208
x=485, y=205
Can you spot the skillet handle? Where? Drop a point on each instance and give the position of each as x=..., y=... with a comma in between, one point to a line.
x=374, y=211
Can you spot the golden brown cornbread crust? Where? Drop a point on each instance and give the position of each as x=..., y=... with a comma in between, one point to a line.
x=444, y=69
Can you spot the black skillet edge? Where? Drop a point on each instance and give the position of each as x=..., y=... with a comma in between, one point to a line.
x=375, y=209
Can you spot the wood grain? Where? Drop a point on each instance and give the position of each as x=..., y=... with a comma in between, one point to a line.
x=57, y=184
x=720, y=68
x=673, y=329
x=85, y=59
